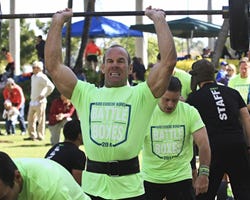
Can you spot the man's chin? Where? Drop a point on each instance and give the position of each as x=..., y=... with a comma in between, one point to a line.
x=115, y=84
x=168, y=111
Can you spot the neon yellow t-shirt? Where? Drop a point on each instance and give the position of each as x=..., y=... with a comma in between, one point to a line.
x=185, y=79
x=168, y=146
x=241, y=85
x=113, y=122
x=44, y=179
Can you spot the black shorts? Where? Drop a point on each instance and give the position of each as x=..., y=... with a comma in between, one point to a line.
x=91, y=58
x=182, y=190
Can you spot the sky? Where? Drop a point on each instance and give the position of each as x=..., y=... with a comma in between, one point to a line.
x=51, y=6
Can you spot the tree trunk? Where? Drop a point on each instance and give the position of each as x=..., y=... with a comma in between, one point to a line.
x=220, y=43
x=85, y=35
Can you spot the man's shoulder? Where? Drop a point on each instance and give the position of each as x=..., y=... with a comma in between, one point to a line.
x=235, y=78
x=57, y=149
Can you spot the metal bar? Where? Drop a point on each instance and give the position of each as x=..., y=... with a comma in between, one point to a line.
x=115, y=13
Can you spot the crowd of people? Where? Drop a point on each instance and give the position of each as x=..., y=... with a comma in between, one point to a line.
x=168, y=115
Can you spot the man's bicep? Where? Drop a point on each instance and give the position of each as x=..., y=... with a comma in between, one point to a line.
x=158, y=80
x=65, y=81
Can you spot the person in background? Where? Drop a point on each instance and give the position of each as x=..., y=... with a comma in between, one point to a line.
x=206, y=53
x=67, y=153
x=91, y=53
x=36, y=179
x=227, y=120
x=61, y=111
x=168, y=147
x=138, y=72
x=112, y=134
x=10, y=67
x=184, y=77
x=222, y=72
x=231, y=72
x=79, y=72
x=10, y=114
x=41, y=87
x=241, y=81
x=14, y=93
x=40, y=44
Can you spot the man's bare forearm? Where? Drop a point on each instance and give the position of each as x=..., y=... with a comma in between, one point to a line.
x=164, y=69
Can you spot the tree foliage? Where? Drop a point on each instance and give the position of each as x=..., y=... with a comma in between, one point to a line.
x=27, y=41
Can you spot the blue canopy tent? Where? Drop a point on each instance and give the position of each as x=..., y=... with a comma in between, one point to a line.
x=102, y=27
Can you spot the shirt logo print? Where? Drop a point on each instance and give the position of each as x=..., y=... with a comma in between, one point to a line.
x=167, y=141
x=109, y=123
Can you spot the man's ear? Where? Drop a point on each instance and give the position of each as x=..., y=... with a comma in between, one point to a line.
x=18, y=179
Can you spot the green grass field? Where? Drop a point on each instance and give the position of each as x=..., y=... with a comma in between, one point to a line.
x=16, y=147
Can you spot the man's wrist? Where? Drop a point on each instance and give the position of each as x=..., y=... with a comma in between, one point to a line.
x=203, y=170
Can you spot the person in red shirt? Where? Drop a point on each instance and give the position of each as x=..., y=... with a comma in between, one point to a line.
x=15, y=94
x=61, y=111
x=92, y=51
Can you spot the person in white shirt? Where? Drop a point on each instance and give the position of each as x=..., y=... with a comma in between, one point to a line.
x=41, y=87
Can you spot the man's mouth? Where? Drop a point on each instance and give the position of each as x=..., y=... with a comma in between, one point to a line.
x=114, y=74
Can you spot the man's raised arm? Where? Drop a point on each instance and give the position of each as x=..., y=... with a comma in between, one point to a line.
x=160, y=74
x=63, y=77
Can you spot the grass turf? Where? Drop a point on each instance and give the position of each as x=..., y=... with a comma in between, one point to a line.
x=16, y=147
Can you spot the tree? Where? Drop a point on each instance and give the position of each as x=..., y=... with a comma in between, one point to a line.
x=85, y=35
x=220, y=43
x=128, y=43
x=27, y=40
x=43, y=26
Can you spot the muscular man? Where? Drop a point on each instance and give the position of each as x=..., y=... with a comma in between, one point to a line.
x=113, y=118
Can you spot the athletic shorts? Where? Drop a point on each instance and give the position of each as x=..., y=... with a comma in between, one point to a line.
x=91, y=58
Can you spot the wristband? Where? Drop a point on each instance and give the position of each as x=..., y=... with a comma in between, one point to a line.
x=203, y=170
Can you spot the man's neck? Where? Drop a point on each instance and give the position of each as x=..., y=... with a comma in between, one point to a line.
x=204, y=82
x=73, y=142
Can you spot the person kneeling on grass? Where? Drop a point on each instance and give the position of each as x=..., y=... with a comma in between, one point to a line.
x=67, y=153
x=36, y=179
